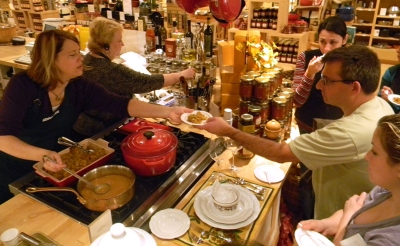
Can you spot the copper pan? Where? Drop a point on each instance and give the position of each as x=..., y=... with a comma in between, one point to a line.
x=121, y=192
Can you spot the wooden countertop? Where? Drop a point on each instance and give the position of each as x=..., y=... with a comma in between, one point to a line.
x=10, y=52
x=30, y=216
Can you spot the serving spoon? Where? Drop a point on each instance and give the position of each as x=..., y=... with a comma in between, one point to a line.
x=68, y=142
x=98, y=189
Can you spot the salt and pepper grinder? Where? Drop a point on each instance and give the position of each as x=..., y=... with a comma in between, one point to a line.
x=228, y=115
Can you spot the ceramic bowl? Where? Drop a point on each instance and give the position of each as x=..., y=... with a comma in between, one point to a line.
x=227, y=200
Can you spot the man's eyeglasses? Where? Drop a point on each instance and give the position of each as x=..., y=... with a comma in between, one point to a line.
x=327, y=81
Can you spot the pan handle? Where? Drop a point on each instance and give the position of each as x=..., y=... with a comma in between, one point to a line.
x=36, y=189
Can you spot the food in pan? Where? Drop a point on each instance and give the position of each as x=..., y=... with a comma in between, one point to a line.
x=197, y=118
x=76, y=159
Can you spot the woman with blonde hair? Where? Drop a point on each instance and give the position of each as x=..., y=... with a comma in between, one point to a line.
x=105, y=44
x=42, y=104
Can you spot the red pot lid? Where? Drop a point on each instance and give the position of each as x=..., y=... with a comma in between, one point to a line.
x=149, y=143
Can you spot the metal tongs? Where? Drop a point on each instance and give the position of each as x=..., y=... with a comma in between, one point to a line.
x=68, y=142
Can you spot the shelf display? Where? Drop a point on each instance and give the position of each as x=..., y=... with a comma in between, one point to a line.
x=375, y=26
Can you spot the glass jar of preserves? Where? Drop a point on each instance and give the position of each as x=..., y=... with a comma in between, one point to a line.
x=244, y=107
x=274, y=13
x=268, y=13
x=246, y=87
x=278, y=79
x=259, y=22
x=278, y=109
x=289, y=91
x=287, y=83
x=269, y=23
x=246, y=124
x=255, y=112
x=264, y=111
x=274, y=24
x=288, y=99
x=256, y=13
x=263, y=13
x=264, y=24
x=261, y=89
x=253, y=23
x=235, y=118
x=272, y=83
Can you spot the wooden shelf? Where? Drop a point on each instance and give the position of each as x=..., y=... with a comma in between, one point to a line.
x=372, y=15
x=365, y=9
x=361, y=24
x=388, y=17
x=386, y=26
x=386, y=38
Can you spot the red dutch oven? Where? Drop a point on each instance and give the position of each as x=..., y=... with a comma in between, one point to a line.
x=150, y=152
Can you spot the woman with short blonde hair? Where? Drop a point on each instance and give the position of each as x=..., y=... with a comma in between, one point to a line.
x=102, y=31
x=105, y=44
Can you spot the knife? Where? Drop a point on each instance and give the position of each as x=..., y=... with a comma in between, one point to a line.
x=25, y=237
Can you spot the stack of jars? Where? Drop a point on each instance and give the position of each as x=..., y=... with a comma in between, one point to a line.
x=288, y=49
x=263, y=96
x=264, y=18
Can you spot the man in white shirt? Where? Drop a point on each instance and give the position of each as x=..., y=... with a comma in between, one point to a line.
x=336, y=152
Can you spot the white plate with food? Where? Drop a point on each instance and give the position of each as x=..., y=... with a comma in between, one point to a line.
x=196, y=118
x=311, y=238
x=169, y=223
x=395, y=99
x=269, y=173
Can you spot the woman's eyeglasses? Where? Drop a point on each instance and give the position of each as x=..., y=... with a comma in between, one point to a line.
x=327, y=81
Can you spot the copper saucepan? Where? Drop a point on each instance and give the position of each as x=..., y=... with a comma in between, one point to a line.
x=120, y=178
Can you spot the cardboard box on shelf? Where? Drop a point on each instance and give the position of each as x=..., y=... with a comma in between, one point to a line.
x=227, y=99
x=230, y=78
x=239, y=55
x=225, y=51
x=231, y=89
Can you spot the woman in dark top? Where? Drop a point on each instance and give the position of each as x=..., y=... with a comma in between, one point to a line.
x=41, y=104
x=390, y=83
x=332, y=34
x=105, y=44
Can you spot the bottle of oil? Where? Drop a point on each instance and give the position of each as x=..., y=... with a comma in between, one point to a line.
x=162, y=34
x=150, y=38
x=208, y=40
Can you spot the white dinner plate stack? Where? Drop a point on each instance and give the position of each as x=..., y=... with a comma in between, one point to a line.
x=245, y=213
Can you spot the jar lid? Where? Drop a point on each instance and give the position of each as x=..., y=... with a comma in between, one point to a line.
x=254, y=108
x=273, y=125
x=280, y=100
x=253, y=73
x=247, y=117
x=247, y=78
x=263, y=79
x=120, y=235
x=150, y=142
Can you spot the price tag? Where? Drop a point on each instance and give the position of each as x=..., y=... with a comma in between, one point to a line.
x=90, y=8
x=121, y=16
x=100, y=225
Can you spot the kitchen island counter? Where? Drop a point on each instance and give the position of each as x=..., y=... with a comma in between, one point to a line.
x=30, y=216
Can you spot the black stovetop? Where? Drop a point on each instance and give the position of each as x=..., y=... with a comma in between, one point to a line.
x=145, y=187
